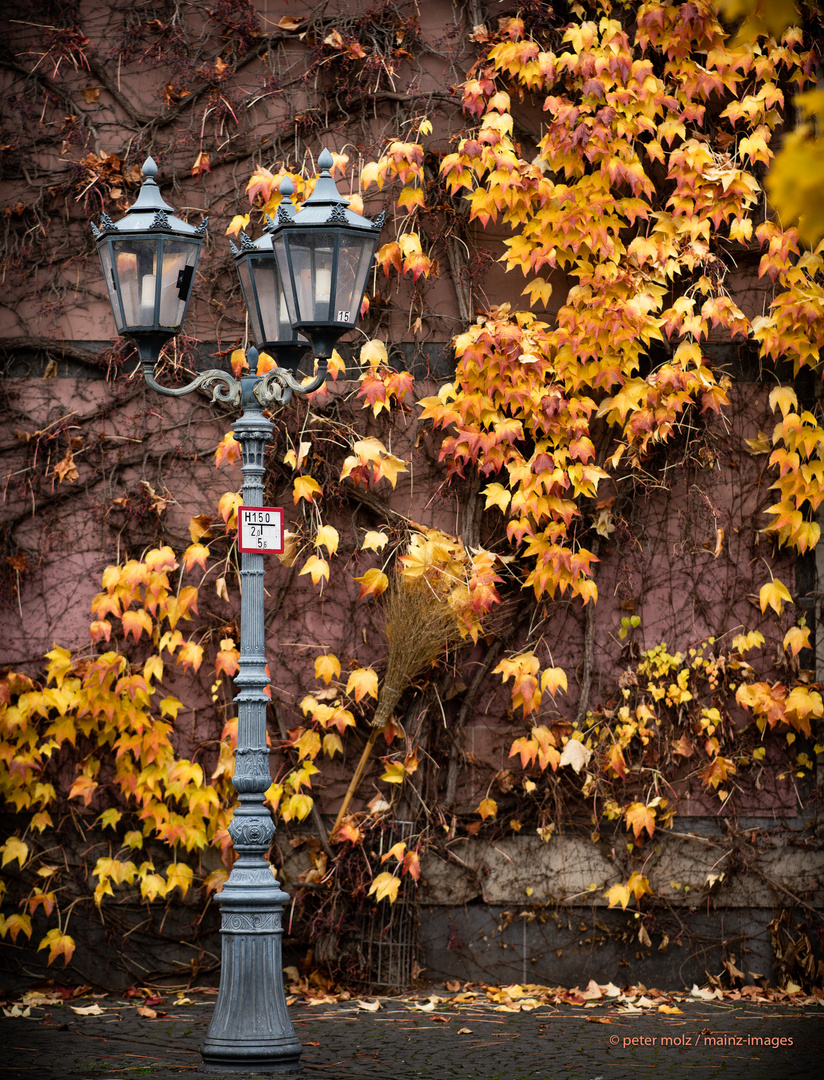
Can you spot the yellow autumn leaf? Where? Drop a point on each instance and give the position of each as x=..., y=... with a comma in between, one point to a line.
x=374, y=541
x=374, y=353
x=190, y=655
x=195, y=554
x=497, y=495
x=332, y=744
x=638, y=884
x=539, y=288
x=327, y=537
x=178, y=875
x=153, y=669
x=337, y=365
x=395, y=773
x=638, y=817
x=363, y=681
x=488, y=808
x=774, y=594
x=385, y=885
x=618, y=894
x=298, y=806
x=389, y=467
x=327, y=667
x=317, y=568
x=308, y=745
x=783, y=397
x=238, y=222
x=796, y=639
x=14, y=848
x=397, y=851
x=552, y=679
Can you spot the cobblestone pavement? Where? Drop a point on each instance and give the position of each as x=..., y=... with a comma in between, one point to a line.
x=731, y=1041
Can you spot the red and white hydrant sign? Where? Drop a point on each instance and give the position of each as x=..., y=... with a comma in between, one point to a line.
x=260, y=528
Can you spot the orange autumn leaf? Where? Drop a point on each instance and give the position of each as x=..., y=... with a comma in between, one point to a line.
x=227, y=508
x=58, y=944
x=347, y=831
x=306, y=487
x=190, y=656
x=638, y=817
x=195, y=554
x=228, y=449
x=372, y=583
x=226, y=661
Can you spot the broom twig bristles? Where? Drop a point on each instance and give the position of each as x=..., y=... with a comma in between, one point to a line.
x=420, y=627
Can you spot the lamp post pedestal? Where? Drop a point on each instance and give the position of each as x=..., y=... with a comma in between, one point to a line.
x=251, y=1029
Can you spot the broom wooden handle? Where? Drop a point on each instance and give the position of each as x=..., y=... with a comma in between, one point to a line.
x=356, y=779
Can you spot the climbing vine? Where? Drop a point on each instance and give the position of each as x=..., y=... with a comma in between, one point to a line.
x=588, y=186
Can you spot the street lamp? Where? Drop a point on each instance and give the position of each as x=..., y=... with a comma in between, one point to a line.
x=303, y=283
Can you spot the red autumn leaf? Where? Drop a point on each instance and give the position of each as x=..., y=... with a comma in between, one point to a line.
x=201, y=164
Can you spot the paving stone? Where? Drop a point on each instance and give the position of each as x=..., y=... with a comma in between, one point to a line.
x=723, y=1040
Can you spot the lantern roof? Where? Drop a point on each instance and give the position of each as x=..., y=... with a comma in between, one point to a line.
x=326, y=206
x=149, y=212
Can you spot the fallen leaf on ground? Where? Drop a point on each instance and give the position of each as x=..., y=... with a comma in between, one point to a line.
x=592, y=992
x=34, y=997
x=88, y=1010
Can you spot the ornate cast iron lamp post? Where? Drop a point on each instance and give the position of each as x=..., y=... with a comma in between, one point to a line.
x=303, y=283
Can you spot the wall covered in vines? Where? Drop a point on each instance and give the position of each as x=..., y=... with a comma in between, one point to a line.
x=550, y=581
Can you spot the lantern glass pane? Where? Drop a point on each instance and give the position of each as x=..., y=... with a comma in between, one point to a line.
x=179, y=259
x=244, y=273
x=354, y=261
x=273, y=310
x=105, y=252
x=309, y=258
x=135, y=264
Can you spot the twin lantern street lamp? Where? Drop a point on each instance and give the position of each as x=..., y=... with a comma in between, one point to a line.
x=303, y=283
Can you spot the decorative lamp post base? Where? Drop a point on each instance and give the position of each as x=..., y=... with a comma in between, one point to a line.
x=251, y=1030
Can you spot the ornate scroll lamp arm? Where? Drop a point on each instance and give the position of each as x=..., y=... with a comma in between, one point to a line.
x=225, y=388
x=278, y=385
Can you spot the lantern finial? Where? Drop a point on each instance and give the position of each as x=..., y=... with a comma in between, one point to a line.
x=325, y=161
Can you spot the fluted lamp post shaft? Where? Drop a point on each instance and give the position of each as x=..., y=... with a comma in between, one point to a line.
x=251, y=1025
x=303, y=283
